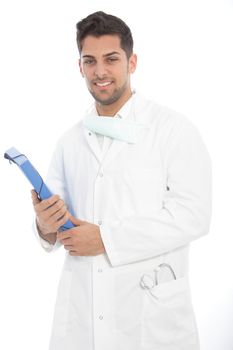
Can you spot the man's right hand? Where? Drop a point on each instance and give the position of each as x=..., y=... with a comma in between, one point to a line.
x=51, y=214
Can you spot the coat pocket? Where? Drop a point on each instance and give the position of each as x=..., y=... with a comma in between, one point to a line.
x=168, y=321
x=62, y=305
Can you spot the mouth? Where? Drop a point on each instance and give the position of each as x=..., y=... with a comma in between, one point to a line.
x=103, y=85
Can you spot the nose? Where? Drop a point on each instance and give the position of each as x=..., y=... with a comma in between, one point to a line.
x=100, y=70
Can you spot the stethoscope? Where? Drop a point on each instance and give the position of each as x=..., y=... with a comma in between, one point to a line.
x=148, y=282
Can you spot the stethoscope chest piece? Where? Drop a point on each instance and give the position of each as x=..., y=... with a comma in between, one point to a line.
x=147, y=282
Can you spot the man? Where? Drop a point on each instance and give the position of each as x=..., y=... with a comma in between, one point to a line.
x=136, y=180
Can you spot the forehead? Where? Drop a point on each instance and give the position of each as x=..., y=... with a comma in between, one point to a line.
x=102, y=45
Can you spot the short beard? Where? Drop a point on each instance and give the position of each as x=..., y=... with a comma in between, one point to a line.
x=115, y=96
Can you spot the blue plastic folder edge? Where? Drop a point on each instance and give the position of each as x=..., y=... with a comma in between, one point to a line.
x=13, y=155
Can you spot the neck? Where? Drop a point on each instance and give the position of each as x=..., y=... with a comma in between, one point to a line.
x=112, y=109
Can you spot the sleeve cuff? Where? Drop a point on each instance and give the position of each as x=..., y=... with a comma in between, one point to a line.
x=48, y=247
x=113, y=256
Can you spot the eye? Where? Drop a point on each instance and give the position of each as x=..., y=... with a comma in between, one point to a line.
x=89, y=61
x=112, y=59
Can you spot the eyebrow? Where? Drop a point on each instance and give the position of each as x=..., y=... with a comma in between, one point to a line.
x=106, y=55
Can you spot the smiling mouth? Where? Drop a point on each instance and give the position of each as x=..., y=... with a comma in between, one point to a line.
x=104, y=84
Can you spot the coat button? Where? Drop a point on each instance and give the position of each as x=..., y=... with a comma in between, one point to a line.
x=101, y=317
x=100, y=270
x=99, y=222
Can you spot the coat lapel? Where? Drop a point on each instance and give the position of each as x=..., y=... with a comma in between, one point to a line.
x=113, y=150
x=128, y=113
x=93, y=143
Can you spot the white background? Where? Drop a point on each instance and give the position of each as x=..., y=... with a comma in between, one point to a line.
x=185, y=62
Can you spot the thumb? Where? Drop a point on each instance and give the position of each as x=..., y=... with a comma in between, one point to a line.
x=35, y=198
x=76, y=221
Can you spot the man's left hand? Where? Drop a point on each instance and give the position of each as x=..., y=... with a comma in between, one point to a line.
x=82, y=240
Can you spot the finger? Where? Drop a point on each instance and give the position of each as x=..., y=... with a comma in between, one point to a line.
x=56, y=214
x=59, y=214
x=76, y=221
x=62, y=221
x=35, y=199
x=60, y=204
x=64, y=235
x=47, y=203
x=67, y=241
x=68, y=247
x=54, y=225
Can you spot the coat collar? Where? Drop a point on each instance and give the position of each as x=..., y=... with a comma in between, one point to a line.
x=128, y=113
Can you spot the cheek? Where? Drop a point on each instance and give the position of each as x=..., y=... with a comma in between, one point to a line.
x=87, y=73
x=121, y=73
x=88, y=78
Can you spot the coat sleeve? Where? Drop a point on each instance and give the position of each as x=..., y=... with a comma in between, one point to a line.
x=185, y=211
x=48, y=247
x=56, y=183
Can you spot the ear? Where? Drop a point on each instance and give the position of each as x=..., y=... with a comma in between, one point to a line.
x=132, y=63
x=80, y=68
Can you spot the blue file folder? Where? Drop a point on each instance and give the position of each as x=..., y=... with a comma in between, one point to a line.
x=13, y=155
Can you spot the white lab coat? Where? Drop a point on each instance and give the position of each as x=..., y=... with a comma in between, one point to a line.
x=150, y=200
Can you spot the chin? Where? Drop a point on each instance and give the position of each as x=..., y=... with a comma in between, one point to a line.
x=105, y=101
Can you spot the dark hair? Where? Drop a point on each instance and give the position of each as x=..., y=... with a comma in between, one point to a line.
x=100, y=23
